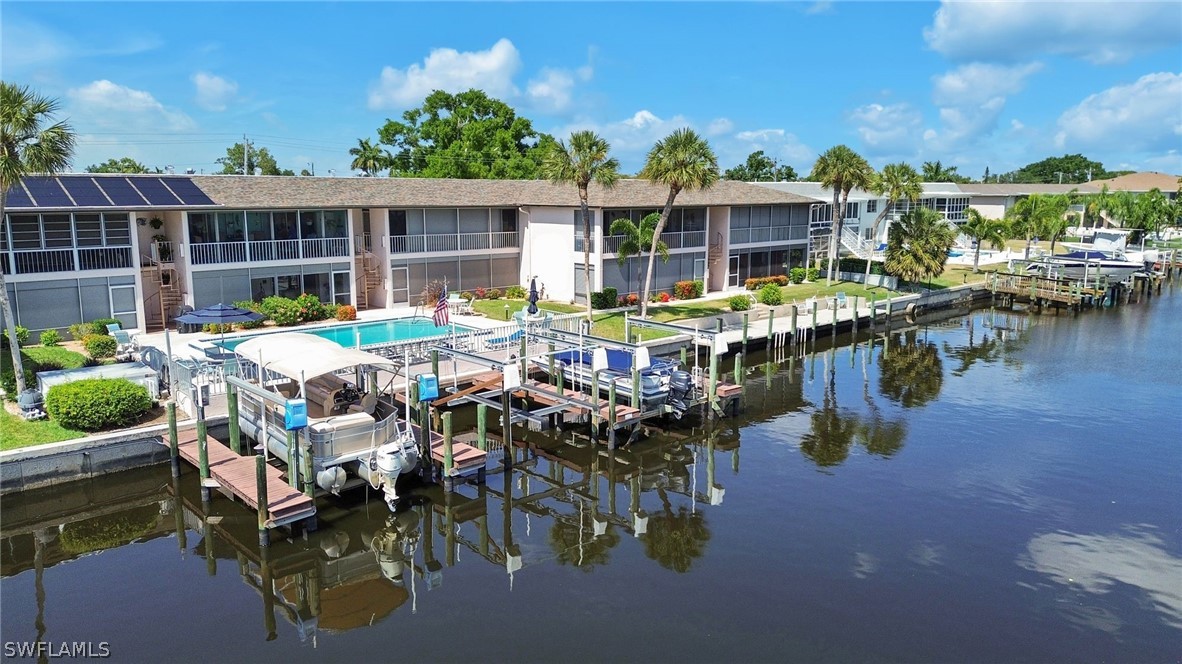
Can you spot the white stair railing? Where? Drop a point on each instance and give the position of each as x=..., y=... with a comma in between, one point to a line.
x=851, y=240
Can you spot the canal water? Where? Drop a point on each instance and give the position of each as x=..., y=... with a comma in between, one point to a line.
x=994, y=486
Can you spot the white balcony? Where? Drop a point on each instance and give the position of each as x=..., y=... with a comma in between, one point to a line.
x=768, y=234
x=68, y=259
x=450, y=242
x=208, y=253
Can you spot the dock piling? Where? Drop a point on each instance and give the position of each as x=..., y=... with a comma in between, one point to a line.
x=260, y=476
x=203, y=456
x=293, y=469
x=448, y=459
x=232, y=412
x=611, y=414
x=746, y=319
x=482, y=427
x=636, y=388
x=173, y=447
x=795, y=329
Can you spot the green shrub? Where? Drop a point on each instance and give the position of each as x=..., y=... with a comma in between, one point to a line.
x=771, y=295
x=755, y=283
x=79, y=330
x=494, y=293
x=99, y=325
x=50, y=338
x=251, y=306
x=97, y=403
x=285, y=312
x=217, y=328
x=515, y=293
x=796, y=274
x=310, y=308
x=99, y=346
x=467, y=296
x=22, y=336
x=330, y=310
x=271, y=304
x=604, y=299
x=812, y=274
x=739, y=303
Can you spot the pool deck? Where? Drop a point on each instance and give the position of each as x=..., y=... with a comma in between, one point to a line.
x=182, y=344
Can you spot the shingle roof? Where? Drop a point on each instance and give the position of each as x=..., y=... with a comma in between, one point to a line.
x=1140, y=182
x=237, y=191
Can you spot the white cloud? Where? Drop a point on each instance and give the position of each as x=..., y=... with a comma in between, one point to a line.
x=971, y=98
x=107, y=105
x=1144, y=116
x=29, y=44
x=1099, y=32
x=778, y=144
x=822, y=7
x=213, y=92
x=449, y=70
x=719, y=126
x=551, y=91
x=887, y=129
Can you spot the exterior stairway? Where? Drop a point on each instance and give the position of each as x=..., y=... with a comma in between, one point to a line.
x=714, y=254
x=167, y=297
x=368, y=279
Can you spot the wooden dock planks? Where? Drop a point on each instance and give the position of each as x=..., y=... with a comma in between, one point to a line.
x=237, y=474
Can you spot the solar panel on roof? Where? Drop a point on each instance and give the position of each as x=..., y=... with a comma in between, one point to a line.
x=85, y=192
x=188, y=191
x=47, y=192
x=120, y=192
x=154, y=190
x=17, y=198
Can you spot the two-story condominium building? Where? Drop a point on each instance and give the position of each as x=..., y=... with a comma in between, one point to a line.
x=141, y=247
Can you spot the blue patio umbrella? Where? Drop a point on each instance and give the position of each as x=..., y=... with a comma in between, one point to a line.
x=219, y=314
x=533, y=297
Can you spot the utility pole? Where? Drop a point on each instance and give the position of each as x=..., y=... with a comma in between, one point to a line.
x=245, y=155
x=312, y=168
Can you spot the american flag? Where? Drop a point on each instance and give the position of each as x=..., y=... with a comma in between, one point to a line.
x=440, y=316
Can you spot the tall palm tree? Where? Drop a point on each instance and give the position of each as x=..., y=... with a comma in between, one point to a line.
x=896, y=182
x=638, y=239
x=685, y=162
x=840, y=169
x=918, y=245
x=1035, y=215
x=982, y=230
x=934, y=171
x=369, y=158
x=583, y=162
x=27, y=146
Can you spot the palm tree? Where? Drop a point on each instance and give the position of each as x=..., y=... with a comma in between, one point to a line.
x=369, y=158
x=918, y=245
x=584, y=162
x=840, y=169
x=638, y=239
x=27, y=146
x=1035, y=215
x=979, y=228
x=896, y=181
x=683, y=161
x=934, y=171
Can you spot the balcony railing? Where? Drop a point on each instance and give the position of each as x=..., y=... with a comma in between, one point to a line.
x=684, y=240
x=446, y=242
x=207, y=253
x=40, y=261
x=765, y=234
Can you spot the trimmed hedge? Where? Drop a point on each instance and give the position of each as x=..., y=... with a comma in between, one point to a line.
x=50, y=338
x=756, y=283
x=346, y=312
x=97, y=403
x=604, y=299
x=100, y=346
x=858, y=266
x=515, y=293
x=739, y=303
x=771, y=295
x=812, y=274
x=796, y=275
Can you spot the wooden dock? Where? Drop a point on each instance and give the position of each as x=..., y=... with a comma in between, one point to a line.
x=1044, y=289
x=465, y=457
x=236, y=474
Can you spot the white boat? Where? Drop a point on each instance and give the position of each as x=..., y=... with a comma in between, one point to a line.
x=352, y=430
x=662, y=382
x=1113, y=243
x=1087, y=266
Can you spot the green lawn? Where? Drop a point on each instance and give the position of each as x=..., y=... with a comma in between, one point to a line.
x=55, y=356
x=495, y=309
x=16, y=432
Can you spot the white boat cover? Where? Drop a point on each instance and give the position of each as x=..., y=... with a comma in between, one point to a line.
x=304, y=356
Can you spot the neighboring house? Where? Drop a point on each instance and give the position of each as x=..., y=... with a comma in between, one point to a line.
x=79, y=247
x=1139, y=183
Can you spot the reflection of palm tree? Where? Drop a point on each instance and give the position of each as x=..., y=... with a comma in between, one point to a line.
x=676, y=540
x=912, y=373
x=829, y=440
x=882, y=437
x=987, y=351
x=575, y=543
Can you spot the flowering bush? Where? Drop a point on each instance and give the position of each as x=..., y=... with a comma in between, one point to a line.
x=310, y=308
x=631, y=299
x=481, y=293
x=756, y=283
x=346, y=312
x=665, y=297
x=285, y=312
x=687, y=290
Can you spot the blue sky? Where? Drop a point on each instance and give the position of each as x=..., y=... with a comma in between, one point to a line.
x=971, y=84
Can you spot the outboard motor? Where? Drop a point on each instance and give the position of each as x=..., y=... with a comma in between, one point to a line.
x=680, y=383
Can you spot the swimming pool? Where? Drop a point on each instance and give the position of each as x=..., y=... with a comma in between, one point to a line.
x=396, y=329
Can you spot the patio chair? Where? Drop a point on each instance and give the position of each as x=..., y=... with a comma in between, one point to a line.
x=112, y=328
x=841, y=301
x=125, y=345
